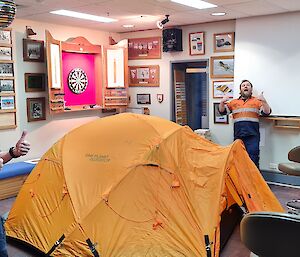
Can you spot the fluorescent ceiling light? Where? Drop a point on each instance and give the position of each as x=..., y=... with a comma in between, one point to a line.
x=195, y=3
x=218, y=13
x=84, y=16
x=128, y=25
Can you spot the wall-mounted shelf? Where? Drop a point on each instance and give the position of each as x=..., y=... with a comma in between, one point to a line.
x=292, y=122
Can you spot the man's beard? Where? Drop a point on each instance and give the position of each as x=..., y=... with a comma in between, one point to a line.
x=246, y=95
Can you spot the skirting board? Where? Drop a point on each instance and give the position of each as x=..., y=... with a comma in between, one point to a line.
x=271, y=176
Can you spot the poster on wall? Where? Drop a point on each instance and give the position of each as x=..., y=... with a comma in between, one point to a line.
x=197, y=43
x=222, y=66
x=144, y=48
x=144, y=76
x=115, y=68
x=55, y=65
x=223, y=88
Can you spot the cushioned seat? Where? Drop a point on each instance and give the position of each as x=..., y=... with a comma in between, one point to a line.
x=290, y=168
x=12, y=177
x=16, y=169
x=271, y=234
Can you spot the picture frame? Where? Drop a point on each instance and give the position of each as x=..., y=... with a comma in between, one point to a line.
x=222, y=66
x=35, y=82
x=5, y=53
x=33, y=50
x=224, y=42
x=36, y=109
x=144, y=76
x=6, y=69
x=144, y=48
x=5, y=36
x=222, y=88
x=218, y=118
x=197, y=43
x=7, y=102
x=143, y=98
x=7, y=86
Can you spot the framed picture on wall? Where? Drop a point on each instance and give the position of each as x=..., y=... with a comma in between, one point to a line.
x=197, y=43
x=144, y=48
x=223, y=88
x=6, y=86
x=222, y=66
x=224, y=42
x=144, y=76
x=7, y=102
x=218, y=118
x=34, y=82
x=5, y=53
x=5, y=36
x=6, y=69
x=33, y=50
x=143, y=98
x=36, y=109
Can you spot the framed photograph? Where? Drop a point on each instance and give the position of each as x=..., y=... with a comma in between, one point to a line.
x=7, y=102
x=144, y=48
x=222, y=66
x=224, y=42
x=5, y=37
x=6, y=70
x=223, y=88
x=146, y=111
x=144, y=76
x=34, y=82
x=36, y=109
x=197, y=43
x=7, y=86
x=33, y=50
x=143, y=98
x=5, y=53
x=218, y=118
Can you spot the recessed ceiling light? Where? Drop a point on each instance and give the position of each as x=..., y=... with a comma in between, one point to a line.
x=84, y=16
x=195, y=3
x=218, y=13
x=128, y=25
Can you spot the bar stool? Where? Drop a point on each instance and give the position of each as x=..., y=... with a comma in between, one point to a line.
x=271, y=234
x=292, y=168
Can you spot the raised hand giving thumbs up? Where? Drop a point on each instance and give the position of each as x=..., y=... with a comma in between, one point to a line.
x=22, y=147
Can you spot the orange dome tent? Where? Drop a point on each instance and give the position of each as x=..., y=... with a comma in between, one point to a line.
x=135, y=185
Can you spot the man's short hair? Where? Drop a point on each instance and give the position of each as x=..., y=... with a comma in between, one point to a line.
x=246, y=80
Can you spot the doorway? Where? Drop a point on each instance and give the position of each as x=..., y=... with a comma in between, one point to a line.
x=190, y=94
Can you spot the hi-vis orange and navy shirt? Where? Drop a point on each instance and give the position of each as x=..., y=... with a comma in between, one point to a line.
x=245, y=116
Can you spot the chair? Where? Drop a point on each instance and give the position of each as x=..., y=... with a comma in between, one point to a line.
x=292, y=168
x=271, y=234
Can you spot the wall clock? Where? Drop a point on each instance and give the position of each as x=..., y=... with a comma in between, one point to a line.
x=77, y=81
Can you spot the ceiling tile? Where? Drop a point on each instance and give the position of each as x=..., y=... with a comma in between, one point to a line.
x=258, y=7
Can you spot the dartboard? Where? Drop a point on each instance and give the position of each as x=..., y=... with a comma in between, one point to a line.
x=77, y=81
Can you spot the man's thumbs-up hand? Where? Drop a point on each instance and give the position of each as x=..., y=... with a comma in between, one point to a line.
x=262, y=98
x=22, y=146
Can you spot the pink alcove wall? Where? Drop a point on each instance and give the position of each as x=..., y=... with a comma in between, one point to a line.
x=86, y=62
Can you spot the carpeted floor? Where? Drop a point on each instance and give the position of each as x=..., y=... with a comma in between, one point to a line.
x=233, y=248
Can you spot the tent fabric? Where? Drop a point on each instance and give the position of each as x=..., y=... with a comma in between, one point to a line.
x=135, y=185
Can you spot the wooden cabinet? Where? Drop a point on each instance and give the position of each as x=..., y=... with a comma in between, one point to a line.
x=83, y=76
